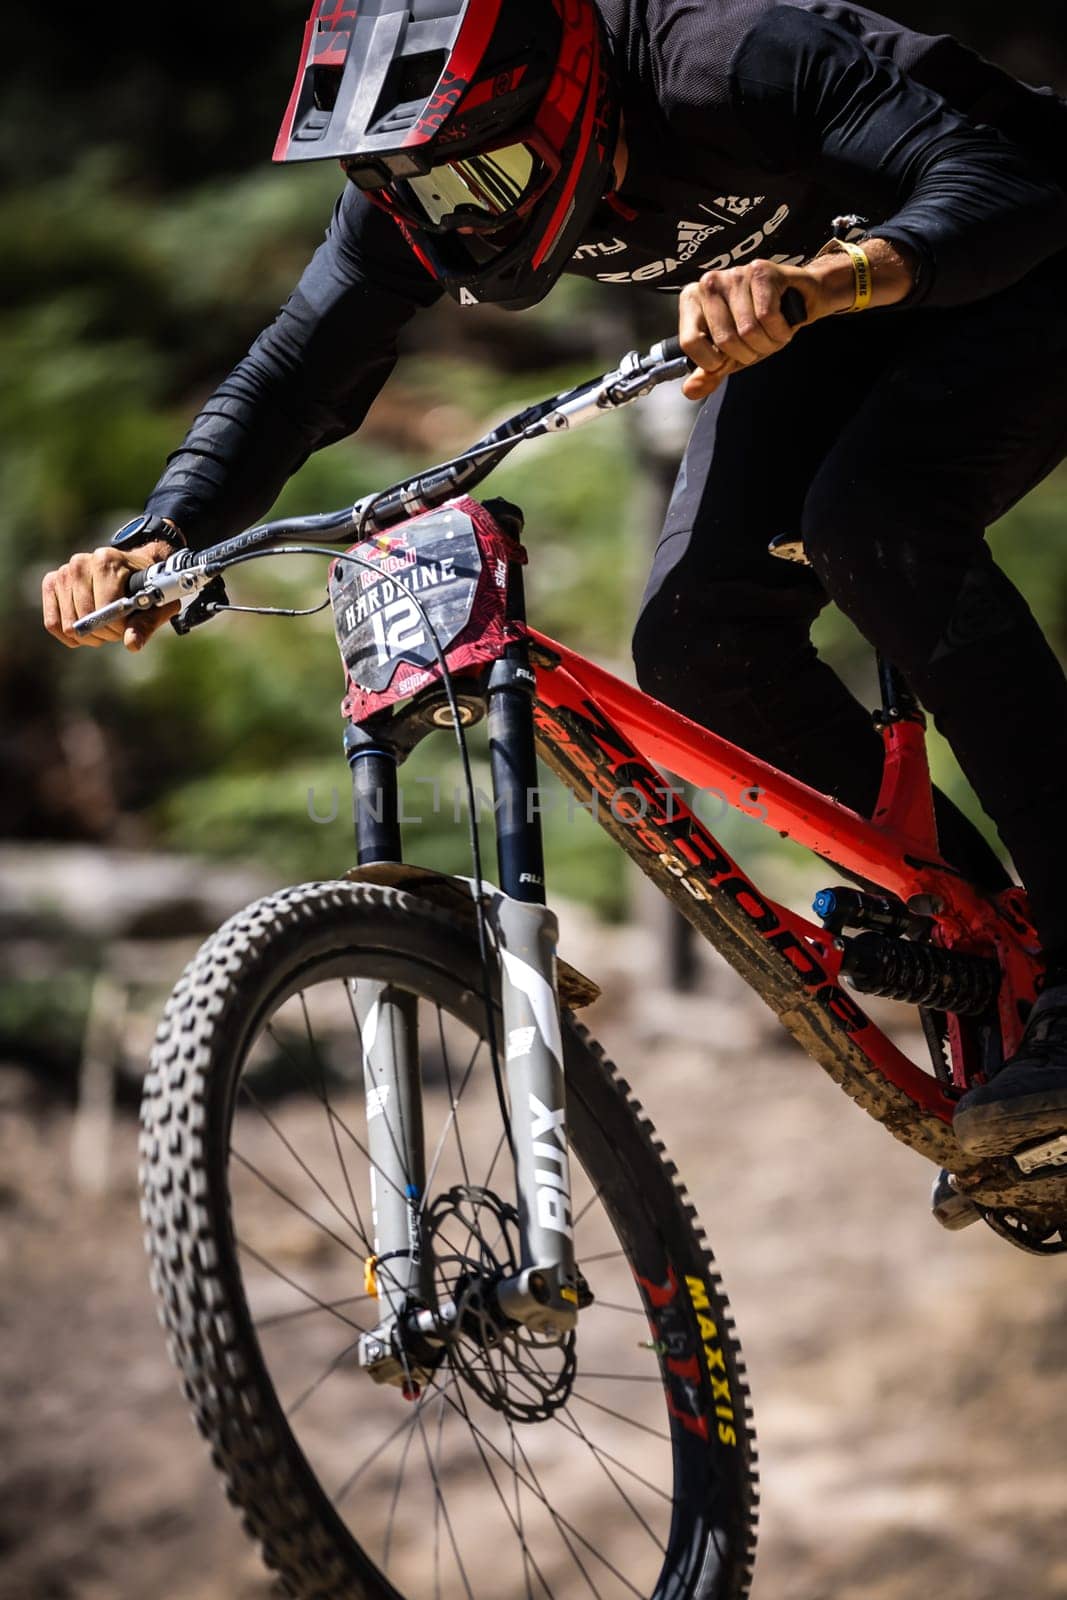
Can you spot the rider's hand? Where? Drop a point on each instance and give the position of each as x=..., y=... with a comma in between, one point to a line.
x=88, y=582
x=730, y=320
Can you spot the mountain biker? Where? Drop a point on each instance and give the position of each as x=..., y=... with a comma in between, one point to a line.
x=709, y=148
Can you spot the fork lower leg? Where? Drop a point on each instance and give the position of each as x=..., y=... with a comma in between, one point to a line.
x=544, y=1293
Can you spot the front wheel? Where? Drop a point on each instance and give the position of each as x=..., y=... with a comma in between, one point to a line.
x=618, y=1462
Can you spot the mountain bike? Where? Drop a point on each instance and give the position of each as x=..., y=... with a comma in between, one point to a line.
x=440, y=1303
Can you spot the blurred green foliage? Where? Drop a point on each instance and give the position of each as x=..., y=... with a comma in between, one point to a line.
x=122, y=315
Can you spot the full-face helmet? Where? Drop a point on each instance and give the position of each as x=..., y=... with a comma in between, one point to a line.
x=485, y=128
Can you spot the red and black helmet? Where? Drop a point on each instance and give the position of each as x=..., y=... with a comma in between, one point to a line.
x=485, y=128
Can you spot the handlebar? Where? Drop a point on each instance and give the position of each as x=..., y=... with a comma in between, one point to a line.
x=189, y=572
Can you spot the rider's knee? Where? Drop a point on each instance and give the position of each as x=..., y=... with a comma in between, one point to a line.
x=677, y=644
x=863, y=554
x=840, y=539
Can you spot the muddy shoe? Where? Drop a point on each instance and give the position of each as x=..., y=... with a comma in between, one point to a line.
x=1027, y=1100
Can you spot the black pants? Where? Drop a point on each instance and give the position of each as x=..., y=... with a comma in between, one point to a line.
x=890, y=442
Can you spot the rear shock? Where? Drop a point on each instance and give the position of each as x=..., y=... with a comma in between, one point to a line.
x=892, y=956
x=922, y=974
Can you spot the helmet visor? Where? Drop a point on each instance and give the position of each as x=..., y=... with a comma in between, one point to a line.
x=477, y=192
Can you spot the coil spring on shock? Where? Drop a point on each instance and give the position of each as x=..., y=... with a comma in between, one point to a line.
x=922, y=974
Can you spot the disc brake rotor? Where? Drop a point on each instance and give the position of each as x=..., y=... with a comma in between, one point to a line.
x=474, y=1236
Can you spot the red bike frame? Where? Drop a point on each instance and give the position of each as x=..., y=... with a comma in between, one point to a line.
x=606, y=740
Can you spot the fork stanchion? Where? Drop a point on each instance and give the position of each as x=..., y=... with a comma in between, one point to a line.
x=375, y=798
x=513, y=759
x=513, y=762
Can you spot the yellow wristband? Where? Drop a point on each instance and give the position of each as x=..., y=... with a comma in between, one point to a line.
x=862, y=270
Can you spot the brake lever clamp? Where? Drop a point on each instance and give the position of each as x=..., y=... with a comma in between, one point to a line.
x=211, y=599
x=638, y=375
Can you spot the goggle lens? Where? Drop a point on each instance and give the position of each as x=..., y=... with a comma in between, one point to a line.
x=479, y=192
x=491, y=185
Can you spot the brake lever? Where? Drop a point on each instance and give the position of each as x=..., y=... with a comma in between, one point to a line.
x=206, y=605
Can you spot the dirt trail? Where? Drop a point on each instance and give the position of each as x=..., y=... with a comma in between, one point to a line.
x=909, y=1384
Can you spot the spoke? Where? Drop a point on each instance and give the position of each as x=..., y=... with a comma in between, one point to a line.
x=331, y=1110
x=518, y=1511
x=308, y=1311
x=576, y=1428
x=396, y=1498
x=322, y=1305
x=452, y=1121
x=302, y=1164
x=589, y=1204
x=273, y=1187
x=330, y=1119
x=516, y=1519
x=563, y=1525
x=441, y=1501
x=436, y=1513
x=622, y=1377
x=618, y=1415
x=453, y=1251
x=496, y=1157
x=292, y=1410
x=571, y=1426
x=613, y=1305
x=605, y=1255
x=475, y=1231
x=534, y=1488
x=408, y=1422
x=601, y=1462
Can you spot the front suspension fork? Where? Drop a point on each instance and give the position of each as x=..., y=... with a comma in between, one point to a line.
x=543, y=1294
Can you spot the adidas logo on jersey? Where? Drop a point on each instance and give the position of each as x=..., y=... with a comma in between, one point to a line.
x=691, y=235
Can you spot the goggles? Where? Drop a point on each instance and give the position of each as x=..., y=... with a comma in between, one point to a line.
x=480, y=192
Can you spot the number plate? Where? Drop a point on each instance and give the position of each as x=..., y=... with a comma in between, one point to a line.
x=455, y=563
x=379, y=626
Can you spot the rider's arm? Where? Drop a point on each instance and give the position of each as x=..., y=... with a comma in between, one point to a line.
x=308, y=380
x=975, y=211
x=957, y=211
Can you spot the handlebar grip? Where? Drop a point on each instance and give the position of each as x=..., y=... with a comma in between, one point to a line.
x=117, y=611
x=794, y=310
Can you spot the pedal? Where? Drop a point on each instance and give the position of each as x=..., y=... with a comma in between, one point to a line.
x=1049, y=1153
x=952, y=1209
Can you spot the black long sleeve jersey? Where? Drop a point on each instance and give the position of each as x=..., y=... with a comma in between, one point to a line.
x=751, y=125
